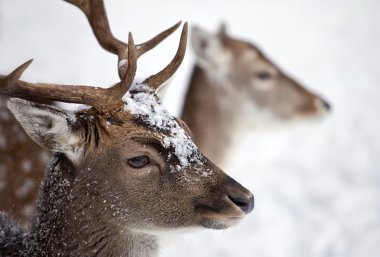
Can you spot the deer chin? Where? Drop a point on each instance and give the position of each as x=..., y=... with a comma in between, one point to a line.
x=302, y=120
x=219, y=222
x=167, y=233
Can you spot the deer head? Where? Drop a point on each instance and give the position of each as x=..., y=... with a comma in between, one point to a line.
x=254, y=85
x=125, y=166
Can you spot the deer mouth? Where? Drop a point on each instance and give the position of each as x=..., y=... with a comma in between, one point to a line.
x=219, y=216
x=219, y=222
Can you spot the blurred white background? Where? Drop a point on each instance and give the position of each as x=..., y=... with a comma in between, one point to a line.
x=317, y=186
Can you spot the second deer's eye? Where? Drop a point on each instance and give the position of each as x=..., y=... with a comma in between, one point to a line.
x=138, y=161
x=263, y=75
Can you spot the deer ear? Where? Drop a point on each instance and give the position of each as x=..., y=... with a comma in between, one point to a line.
x=162, y=89
x=222, y=32
x=206, y=45
x=47, y=126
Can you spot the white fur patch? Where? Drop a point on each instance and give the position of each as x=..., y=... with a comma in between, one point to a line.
x=265, y=86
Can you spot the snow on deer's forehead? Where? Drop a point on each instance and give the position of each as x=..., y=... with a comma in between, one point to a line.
x=145, y=106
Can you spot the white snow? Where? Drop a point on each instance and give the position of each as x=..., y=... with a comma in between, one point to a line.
x=122, y=62
x=317, y=187
x=146, y=106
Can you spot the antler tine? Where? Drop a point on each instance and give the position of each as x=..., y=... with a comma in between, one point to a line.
x=158, y=79
x=122, y=87
x=147, y=46
x=97, y=16
x=151, y=43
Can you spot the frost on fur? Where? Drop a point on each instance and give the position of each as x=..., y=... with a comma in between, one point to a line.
x=147, y=107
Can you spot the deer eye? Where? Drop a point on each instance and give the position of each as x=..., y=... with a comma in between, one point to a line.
x=138, y=162
x=264, y=75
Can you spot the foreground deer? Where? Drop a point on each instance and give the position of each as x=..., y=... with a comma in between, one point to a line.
x=123, y=171
x=235, y=87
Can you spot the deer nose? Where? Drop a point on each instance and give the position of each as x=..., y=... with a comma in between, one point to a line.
x=246, y=204
x=326, y=105
x=239, y=195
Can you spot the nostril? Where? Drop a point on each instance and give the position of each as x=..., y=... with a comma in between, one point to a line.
x=244, y=203
x=326, y=105
x=239, y=201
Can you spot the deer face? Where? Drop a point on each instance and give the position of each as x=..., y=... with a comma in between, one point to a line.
x=253, y=83
x=139, y=168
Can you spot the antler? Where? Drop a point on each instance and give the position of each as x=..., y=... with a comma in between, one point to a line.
x=156, y=80
x=97, y=17
x=103, y=100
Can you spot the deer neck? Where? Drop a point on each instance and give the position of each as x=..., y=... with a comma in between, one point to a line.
x=213, y=122
x=68, y=226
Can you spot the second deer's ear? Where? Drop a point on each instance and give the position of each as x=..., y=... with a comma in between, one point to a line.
x=161, y=90
x=222, y=32
x=206, y=45
x=48, y=127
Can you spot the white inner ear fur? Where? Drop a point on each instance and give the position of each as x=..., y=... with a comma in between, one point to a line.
x=162, y=89
x=211, y=55
x=48, y=127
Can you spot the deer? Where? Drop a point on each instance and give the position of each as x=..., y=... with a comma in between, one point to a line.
x=234, y=88
x=124, y=170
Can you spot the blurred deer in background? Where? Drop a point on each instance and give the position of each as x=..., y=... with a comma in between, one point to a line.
x=22, y=163
x=124, y=170
x=234, y=87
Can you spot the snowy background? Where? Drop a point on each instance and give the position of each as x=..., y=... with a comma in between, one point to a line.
x=317, y=186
